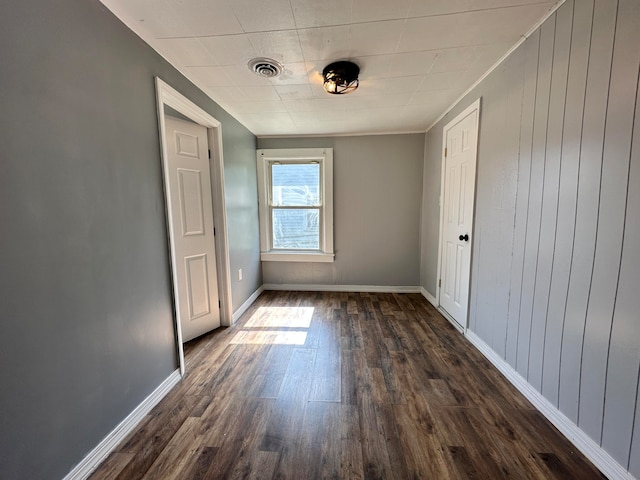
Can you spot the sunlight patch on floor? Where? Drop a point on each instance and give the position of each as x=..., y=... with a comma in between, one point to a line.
x=275, y=326
x=269, y=337
x=292, y=317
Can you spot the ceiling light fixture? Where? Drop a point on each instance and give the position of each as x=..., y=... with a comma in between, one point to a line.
x=341, y=77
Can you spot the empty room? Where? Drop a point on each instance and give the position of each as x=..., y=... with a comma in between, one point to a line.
x=292, y=239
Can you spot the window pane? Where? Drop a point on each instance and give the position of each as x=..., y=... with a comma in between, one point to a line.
x=296, y=228
x=295, y=184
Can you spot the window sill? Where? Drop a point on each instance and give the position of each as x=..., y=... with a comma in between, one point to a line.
x=297, y=257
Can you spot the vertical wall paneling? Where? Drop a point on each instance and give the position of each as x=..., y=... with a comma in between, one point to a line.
x=634, y=453
x=497, y=177
x=530, y=69
x=524, y=328
x=546, y=328
x=587, y=207
x=534, y=257
x=624, y=359
x=615, y=175
x=569, y=171
x=548, y=220
x=534, y=214
x=572, y=258
x=615, y=278
x=507, y=201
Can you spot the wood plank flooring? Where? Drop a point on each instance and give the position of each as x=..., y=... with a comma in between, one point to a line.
x=342, y=386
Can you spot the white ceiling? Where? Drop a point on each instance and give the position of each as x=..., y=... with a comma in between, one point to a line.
x=416, y=57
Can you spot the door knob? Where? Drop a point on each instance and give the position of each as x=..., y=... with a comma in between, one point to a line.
x=464, y=237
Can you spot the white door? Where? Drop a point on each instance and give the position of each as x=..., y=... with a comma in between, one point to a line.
x=460, y=139
x=191, y=217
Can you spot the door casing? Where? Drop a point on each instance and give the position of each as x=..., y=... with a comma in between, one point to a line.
x=467, y=111
x=166, y=95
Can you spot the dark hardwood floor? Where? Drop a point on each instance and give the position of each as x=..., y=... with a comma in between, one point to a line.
x=342, y=385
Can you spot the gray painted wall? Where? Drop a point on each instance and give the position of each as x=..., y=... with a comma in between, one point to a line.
x=377, y=192
x=241, y=199
x=555, y=270
x=430, y=211
x=85, y=293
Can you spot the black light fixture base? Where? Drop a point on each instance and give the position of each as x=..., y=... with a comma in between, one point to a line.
x=341, y=77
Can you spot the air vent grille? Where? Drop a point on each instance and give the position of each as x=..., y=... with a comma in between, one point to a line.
x=265, y=67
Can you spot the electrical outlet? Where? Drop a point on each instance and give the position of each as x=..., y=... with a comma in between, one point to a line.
x=239, y=274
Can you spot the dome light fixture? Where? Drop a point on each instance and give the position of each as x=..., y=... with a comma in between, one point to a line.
x=341, y=77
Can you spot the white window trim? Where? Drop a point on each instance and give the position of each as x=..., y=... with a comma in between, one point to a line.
x=296, y=155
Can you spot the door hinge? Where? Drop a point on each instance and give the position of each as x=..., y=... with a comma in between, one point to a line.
x=439, y=283
x=445, y=152
x=219, y=304
x=214, y=231
x=209, y=154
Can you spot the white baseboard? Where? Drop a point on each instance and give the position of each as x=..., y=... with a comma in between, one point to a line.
x=245, y=306
x=451, y=320
x=341, y=288
x=432, y=300
x=96, y=456
x=598, y=456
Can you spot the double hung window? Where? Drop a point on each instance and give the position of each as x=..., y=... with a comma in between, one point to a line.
x=296, y=204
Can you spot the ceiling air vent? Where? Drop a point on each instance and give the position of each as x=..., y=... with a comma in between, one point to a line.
x=265, y=67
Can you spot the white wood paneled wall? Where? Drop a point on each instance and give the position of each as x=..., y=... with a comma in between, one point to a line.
x=556, y=268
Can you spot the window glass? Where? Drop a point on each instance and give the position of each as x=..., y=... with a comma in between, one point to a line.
x=295, y=202
x=295, y=184
x=296, y=228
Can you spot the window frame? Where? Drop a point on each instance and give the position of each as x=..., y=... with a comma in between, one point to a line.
x=265, y=159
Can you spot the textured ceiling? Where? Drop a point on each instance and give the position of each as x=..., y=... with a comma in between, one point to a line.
x=416, y=57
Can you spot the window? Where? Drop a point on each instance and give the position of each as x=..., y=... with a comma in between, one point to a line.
x=295, y=189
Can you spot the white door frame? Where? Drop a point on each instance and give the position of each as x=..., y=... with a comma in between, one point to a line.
x=167, y=95
x=474, y=106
